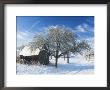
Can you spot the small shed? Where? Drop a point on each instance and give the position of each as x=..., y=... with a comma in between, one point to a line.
x=43, y=54
x=43, y=57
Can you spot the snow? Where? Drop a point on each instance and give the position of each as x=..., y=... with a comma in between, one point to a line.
x=26, y=51
x=77, y=65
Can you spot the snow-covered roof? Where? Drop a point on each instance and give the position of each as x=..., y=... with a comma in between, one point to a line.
x=26, y=51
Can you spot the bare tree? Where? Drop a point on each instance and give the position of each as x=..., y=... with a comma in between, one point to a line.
x=60, y=41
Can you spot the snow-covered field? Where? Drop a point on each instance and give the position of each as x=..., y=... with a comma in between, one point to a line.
x=77, y=65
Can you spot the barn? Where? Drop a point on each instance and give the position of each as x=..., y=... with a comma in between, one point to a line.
x=43, y=56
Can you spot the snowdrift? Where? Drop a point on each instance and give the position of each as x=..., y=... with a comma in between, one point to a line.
x=77, y=65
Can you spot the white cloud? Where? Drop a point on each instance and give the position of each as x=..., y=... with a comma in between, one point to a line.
x=83, y=27
x=23, y=37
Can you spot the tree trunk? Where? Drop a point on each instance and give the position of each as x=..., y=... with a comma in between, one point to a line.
x=67, y=57
x=51, y=56
x=56, y=54
x=64, y=57
x=56, y=62
x=56, y=59
x=68, y=60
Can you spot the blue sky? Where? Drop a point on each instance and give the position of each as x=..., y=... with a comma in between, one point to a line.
x=27, y=26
